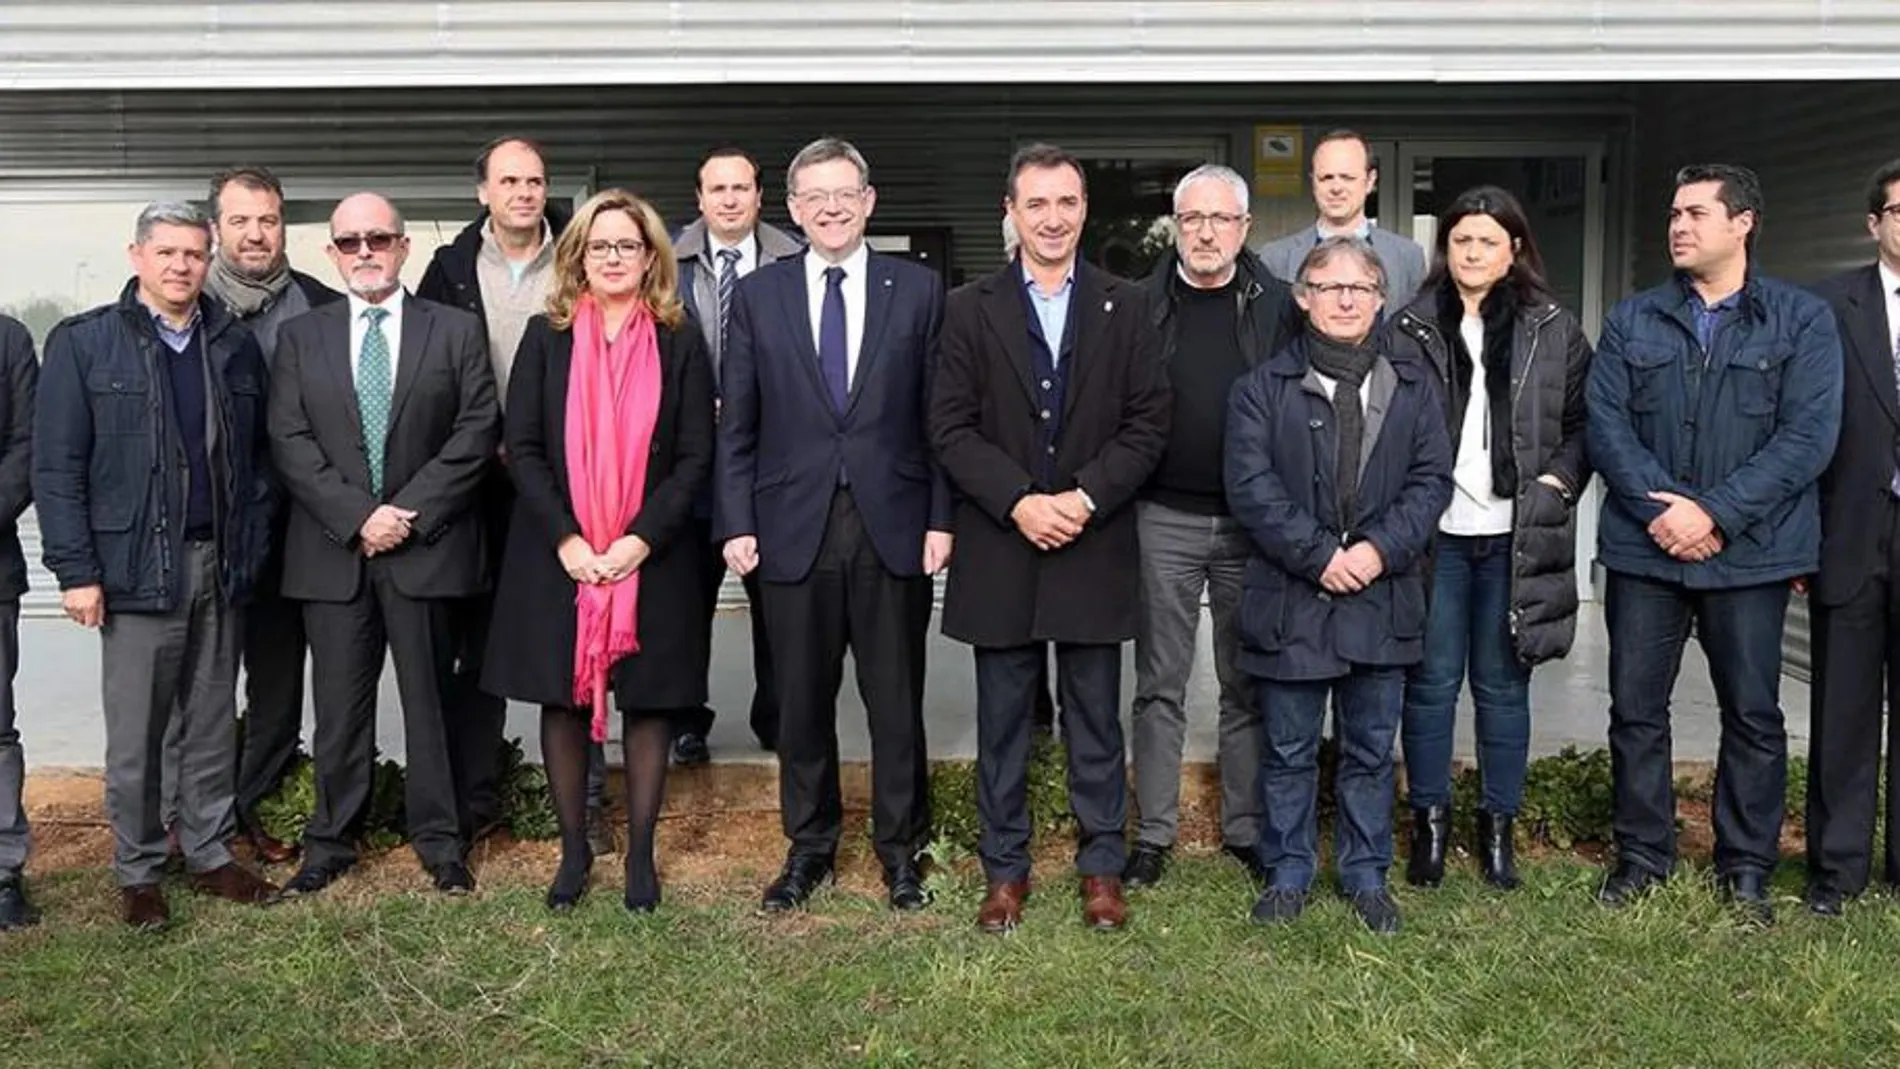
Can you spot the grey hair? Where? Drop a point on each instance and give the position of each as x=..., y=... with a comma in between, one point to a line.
x=1214, y=171
x=825, y=150
x=1347, y=244
x=1012, y=241
x=170, y=213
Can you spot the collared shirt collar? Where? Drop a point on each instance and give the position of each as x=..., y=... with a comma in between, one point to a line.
x=1068, y=280
x=854, y=264
x=1889, y=282
x=391, y=304
x=1363, y=232
x=176, y=338
x=747, y=247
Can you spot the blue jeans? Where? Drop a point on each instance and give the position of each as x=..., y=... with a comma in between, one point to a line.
x=1366, y=707
x=1470, y=629
x=1740, y=631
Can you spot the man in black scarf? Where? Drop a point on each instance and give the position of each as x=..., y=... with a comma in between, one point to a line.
x=1338, y=465
x=251, y=275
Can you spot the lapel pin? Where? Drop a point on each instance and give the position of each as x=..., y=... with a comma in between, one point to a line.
x=1108, y=306
x=887, y=283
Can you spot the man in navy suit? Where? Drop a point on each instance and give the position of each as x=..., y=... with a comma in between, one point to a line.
x=826, y=486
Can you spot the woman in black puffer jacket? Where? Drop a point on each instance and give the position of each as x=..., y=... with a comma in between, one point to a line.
x=1511, y=366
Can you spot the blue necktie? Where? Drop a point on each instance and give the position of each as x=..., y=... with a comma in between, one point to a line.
x=831, y=339
x=728, y=278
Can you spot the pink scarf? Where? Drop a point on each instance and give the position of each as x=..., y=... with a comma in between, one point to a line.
x=613, y=403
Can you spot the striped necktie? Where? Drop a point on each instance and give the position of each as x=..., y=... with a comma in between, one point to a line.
x=373, y=389
x=728, y=278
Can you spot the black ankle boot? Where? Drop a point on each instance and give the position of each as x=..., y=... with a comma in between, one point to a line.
x=1497, y=850
x=1431, y=835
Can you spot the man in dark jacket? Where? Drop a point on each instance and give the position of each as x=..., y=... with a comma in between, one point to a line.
x=1049, y=411
x=1856, y=629
x=499, y=268
x=1338, y=465
x=1714, y=401
x=1220, y=314
x=19, y=379
x=251, y=275
x=150, y=472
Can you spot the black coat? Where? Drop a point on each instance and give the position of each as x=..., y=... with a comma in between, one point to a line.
x=1854, y=489
x=443, y=427
x=984, y=423
x=103, y=426
x=1548, y=361
x=452, y=278
x=1281, y=480
x=19, y=378
x=531, y=648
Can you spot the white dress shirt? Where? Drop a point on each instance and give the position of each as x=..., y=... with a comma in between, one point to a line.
x=748, y=249
x=853, y=287
x=392, y=330
x=1474, y=510
x=1890, y=288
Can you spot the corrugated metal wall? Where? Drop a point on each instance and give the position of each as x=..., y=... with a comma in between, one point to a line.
x=1814, y=147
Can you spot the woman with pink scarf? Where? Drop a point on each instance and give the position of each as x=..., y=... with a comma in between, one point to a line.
x=609, y=436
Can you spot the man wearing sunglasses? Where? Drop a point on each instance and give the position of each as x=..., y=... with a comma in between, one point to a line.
x=499, y=269
x=383, y=424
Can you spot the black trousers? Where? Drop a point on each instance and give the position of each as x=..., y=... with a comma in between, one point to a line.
x=851, y=601
x=1856, y=671
x=274, y=650
x=764, y=714
x=1089, y=680
x=476, y=718
x=347, y=644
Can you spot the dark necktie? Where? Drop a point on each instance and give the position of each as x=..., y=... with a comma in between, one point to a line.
x=728, y=278
x=832, y=360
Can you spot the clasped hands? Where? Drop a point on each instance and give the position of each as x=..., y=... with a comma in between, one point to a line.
x=622, y=558
x=386, y=528
x=1352, y=569
x=1051, y=521
x=1684, y=530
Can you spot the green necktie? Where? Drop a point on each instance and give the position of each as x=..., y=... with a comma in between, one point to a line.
x=373, y=388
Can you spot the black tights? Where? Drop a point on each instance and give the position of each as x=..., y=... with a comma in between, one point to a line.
x=646, y=742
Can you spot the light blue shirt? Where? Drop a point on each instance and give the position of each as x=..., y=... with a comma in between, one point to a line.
x=177, y=339
x=1052, y=311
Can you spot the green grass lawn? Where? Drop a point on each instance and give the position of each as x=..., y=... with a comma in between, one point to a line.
x=1542, y=977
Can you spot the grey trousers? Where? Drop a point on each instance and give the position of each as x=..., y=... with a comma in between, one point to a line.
x=1183, y=554
x=159, y=668
x=13, y=834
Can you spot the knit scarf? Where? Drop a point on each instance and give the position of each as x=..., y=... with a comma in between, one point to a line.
x=1347, y=366
x=243, y=295
x=613, y=404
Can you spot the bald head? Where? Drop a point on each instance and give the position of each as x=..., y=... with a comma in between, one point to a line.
x=368, y=246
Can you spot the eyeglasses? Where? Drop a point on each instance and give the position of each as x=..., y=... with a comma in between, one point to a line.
x=1194, y=221
x=813, y=199
x=1890, y=211
x=628, y=249
x=376, y=241
x=1337, y=290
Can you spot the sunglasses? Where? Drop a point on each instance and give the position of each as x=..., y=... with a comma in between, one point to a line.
x=376, y=241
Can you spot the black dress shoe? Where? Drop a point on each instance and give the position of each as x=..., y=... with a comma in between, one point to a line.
x=1825, y=900
x=906, y=884
x=1377, y=909
x=1250, y=859
x=1497, y=850
x=452, y=878
x=1627, y=883
x=311, y=879
x=1747, y=891
x=802, y=875
x=15, y=910
x=1431, y=835
x=690, y=750
x=1145, y=866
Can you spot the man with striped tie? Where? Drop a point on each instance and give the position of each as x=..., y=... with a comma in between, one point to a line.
x=726, y=243
x=383, y=420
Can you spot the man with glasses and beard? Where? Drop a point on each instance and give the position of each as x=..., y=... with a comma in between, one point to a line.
x=383, y=421
x=251, y=275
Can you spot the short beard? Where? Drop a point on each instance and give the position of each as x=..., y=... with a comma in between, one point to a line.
x=278, y=263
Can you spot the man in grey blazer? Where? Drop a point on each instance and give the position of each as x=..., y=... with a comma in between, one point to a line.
x=382, y=420
x=1344, y=176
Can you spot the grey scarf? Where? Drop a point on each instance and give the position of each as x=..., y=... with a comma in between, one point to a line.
x=244, y=295
x=1348, y=366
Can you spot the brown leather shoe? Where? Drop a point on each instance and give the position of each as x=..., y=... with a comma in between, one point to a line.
x=234, y=883
x=1102, y=905
x=270, y=851
x=1002, y=908
x=143, y=907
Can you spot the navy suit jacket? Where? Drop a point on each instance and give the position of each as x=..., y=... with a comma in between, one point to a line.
x=782, y=441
